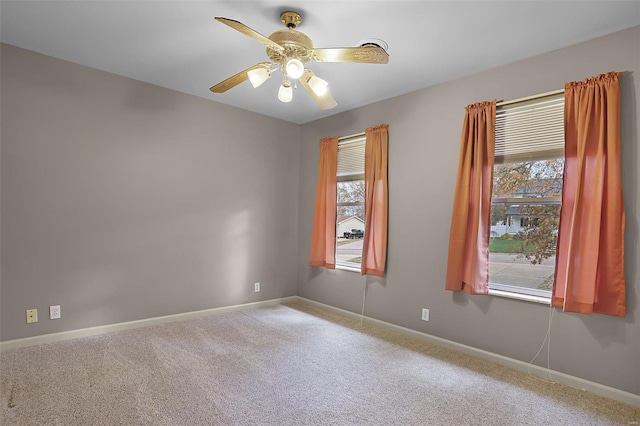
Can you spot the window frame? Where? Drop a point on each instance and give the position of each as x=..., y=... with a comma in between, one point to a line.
x=349, y=177
x=506, y=290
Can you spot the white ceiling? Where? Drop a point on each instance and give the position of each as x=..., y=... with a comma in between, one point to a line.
x=178, y=44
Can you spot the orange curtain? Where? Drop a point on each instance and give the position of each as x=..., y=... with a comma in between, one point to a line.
x=323, y=246
x=468, y=264
x=590, y=257
x=374, y=249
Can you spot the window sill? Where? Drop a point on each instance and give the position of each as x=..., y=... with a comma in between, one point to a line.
x=524, y=297
x=348, y=268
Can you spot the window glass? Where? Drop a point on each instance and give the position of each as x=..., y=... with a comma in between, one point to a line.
x=350, y=218
x=525, y=214
x=526, y=198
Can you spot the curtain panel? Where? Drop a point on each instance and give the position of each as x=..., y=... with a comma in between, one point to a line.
x=324, y=218
x=590, y=255
x=374, y=249
x=468, y=261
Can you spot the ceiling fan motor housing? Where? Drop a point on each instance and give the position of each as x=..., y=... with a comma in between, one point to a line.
x=295, y=44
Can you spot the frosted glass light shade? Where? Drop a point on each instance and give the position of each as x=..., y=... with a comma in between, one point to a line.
x=258, y=76
x=285, y=94
x=318, y=85
x=294, y=68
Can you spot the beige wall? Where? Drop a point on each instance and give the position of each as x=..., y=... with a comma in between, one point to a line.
x=424, y=137
x=123, y=200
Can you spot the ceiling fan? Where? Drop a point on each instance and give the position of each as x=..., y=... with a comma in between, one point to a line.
x=289, y=50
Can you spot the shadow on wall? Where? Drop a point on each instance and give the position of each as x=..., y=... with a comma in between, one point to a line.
x=629, y=154
x=462, y=298
x=372, y=280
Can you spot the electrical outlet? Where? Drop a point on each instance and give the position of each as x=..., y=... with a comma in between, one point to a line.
x=32, y=316
x=425, y=314
x=256, y=287
x=54, y=312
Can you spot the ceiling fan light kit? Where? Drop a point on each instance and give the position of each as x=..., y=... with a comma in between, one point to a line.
x=289, y=50
x=285, y=93
x=258, y=76
x=294, y=68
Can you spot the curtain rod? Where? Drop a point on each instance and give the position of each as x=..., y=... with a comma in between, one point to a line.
x=528, y=98
x=355, y=135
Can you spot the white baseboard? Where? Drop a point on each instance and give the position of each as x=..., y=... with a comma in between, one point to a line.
x=565, y=379
x=102, y=329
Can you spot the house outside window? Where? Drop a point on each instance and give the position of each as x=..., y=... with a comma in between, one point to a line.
x=350, y=203
x=526, y=199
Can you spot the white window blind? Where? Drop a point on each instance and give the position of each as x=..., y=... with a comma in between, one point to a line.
x=530, y=130
x=351, y=157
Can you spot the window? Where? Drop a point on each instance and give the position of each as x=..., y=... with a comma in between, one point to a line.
x=350, y=203
x=526, y=198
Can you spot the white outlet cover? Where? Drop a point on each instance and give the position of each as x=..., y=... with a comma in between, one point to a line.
x=54, y=312
x=257, y=287
x=425, y=315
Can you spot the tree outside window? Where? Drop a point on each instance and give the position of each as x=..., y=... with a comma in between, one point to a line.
x=525, y=216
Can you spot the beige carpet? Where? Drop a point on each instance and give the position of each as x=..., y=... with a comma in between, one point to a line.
x=287, y=365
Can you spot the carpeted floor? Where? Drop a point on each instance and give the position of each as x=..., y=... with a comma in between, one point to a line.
x=287, y=365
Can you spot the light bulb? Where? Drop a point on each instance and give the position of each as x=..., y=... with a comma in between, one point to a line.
x=258, y=76
x=294, y=68
x=318, y=85
x=285, y=94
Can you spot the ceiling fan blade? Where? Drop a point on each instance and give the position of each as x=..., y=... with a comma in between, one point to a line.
x=325, y=101
x=238, y=78
x=239, y=26
x=364, y=54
